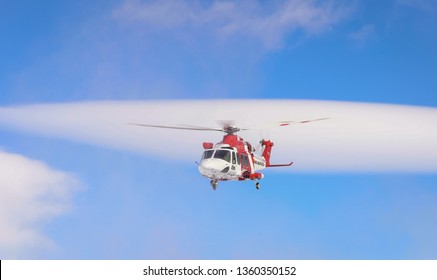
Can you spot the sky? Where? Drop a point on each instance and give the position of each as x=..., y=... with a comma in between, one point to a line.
x=77, y=182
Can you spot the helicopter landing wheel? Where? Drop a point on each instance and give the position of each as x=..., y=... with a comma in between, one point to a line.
x=214, y=184
x=257, y=185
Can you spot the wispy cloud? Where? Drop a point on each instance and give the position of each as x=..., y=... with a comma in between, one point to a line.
x=362, y=35
x=423, y=5
x=31, y=194
x=171, y=48
x=358, y=137
x=414, y=212
x=244, y=19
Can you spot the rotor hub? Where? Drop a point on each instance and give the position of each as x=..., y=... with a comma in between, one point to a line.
x=231, y=129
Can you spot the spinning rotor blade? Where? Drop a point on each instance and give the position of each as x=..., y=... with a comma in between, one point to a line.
x=227, y=126
x=179, y=127
x=283, y=123
x=226, y=123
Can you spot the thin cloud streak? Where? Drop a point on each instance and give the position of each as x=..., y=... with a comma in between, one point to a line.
x=358, y=137
x=31, y=194
x=423, y=5
x=364, y=34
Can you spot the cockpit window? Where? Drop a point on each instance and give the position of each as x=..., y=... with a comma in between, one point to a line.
x=223, y=154
x=207, y=154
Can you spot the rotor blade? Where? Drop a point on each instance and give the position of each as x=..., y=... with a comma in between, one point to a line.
x=283, y=123
x=226, y=123
x=178, y=127
x=315, y=120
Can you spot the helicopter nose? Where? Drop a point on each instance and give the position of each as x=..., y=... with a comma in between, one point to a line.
x=209, y=167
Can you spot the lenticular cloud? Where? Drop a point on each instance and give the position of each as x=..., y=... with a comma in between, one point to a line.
x=357, y=137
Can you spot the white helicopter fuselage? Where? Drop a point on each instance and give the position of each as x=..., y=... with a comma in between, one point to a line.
x=224, y=162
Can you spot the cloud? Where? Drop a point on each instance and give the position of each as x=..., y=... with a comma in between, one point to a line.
x=423, y=5
x=31, y=194
x=413, y=212
x=172, y=48
x=358, y=137
x=365, y=33
x=251, y=19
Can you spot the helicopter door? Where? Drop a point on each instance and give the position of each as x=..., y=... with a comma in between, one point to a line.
x=235, y=164
x=244, y=160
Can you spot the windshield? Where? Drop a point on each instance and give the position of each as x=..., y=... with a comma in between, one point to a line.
x=207, y=154
x=223, y=154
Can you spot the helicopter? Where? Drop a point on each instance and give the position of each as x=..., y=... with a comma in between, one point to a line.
x=233, y=158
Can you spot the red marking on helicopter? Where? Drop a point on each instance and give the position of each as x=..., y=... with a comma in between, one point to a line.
x=233, y=158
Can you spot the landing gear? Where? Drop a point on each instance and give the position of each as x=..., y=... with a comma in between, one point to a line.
x=214, y=184
x=257, y=185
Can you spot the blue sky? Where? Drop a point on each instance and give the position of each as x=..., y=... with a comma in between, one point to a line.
x=100, y=202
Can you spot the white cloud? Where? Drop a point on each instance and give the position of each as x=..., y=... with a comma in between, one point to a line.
x=270, y=24
x=31, y=194
x=358, y=137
